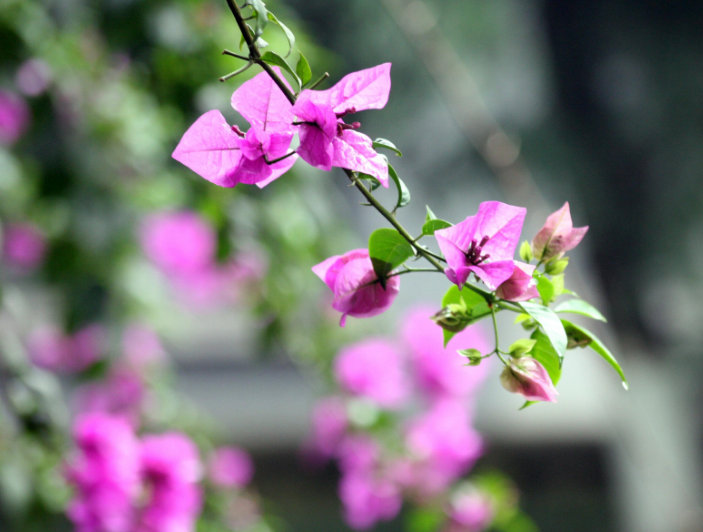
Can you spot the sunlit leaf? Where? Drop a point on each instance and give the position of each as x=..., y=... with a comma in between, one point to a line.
x=286, y=30
x=272, y=58
x=303, y=70
x=388, y=250
x=433, y=225
x=579, y=306
x=550, y=323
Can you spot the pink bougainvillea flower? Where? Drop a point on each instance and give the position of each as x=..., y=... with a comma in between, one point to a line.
x=470, y=511
x=439, y=371
x=443, y=440
x=355, y=285
x=23, y=246
x=527, y=376
x=520, y=286
x=483, y=244
x=104, y=473
x=230, y=467
x=329, y=426
x=557, y=236
x=368, y=499
x=374, y=369
x=50, y=349
x=141, y=347
x=33, y=77
x=14, y=117
x=325, y=140
x=121, y=394
x=171, y=469
x=225, y=155
x=178, y=243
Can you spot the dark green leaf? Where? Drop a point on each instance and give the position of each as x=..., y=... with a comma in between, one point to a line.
x=387, y=144
x=545, y=289
x=388, y=250
x=550, y=323
x=433, y=225
x=272, y=58
x=579, y=306
x=261, y=16
x=599, y=348
x=476, y=306
x=303, y=70
x=430, y=214
x=403, y=192
x=375, y=183
x=286, y=30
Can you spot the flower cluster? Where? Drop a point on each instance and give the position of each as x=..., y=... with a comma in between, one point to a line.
x=430, y=443
x=228, y=156
x=51, y=349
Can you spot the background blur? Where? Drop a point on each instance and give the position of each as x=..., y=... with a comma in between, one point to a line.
x=530, y=102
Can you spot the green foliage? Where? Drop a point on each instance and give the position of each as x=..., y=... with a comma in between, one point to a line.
x=272, y=58
x=526, y=251
x=521, y=347
x=550, y=324
x=433, y=225
x=302, y=69
x=579, y=306
x=476, y=307
x=388, y=250
x=403, y=192
x=386, y=144
x=261, y=16
x=289, y=36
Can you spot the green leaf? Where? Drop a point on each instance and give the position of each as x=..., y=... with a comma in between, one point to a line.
x=387, y=144
x=286, y=30
x=599, y=348
x=550, y=323
x=543, y=352
x=433, y=225
x=558, y=283
x=579, y=306
x=261, y=16
x=303, y=70
x=430, y=214
x=476, y=307
x=272, y=58
x=388, y=250
x=403, y=192
x=424, y=519
x=521, y=347
x=375, y=183
x=545, y=289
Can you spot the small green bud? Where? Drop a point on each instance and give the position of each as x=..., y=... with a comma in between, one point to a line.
x=521, y=347
x=526, y=251
x=556, y=267
x=452, y=318
x=577, y=338
x=474, y=356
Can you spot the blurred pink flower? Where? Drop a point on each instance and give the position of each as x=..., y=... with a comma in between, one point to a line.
x=230, y=467
x=141, y=346
x=444, y=443
x=368, y=499
x=121, y=394
x=24, y=246
x=14, y=117
x=104, y=473
x=325, y=140
x=483, y=244
x=527, y=376
x=50, y=349
x=355, y=285
x=557, y=236
x=179, y=243
x=469, y=511
x=520, y=286
x=33, y=77
x=374, y=369
x=170, y=468
x=329, y=425
x=441, y=371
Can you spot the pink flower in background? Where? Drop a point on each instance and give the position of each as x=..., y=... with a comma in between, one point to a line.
x=14, y=117
x=121, y=394
x=441, y=371
x=325, y=140
x=179, y=243
x=443, y=440
x=329, y=425
x=470, y=511
x=527, y=376
x=170, y=469
x=50, y=349
x=355, y=285
x=33, y=77
x=104, y=473
x=141, y=347
x=557, y=236
x=230, y=467
x=368, y=499
x=23, y=246
x=374, y=369
x=483, y=244
x=520, y=286
x=225, y=155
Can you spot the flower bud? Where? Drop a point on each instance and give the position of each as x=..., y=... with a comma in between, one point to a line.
x=452, y=318
x=557, y=266
x=474, y=356
x=528, y=377
x=526, y=251
x=521, y=347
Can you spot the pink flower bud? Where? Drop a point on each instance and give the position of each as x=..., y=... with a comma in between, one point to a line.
x=521, y=286
x=230, y=467
x=23, y=247
x=557, y=236
x=528, y=377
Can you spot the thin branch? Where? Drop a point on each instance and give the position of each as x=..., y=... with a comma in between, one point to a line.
x=238, y=71
x=280, y=158
x=238, y=56
x=322, y=78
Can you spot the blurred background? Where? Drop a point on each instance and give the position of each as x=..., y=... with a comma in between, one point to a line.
x=529, y=102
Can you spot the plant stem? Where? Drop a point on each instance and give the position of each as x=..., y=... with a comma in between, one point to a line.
x=280, y=158
x=412, y=270
x=495, y=329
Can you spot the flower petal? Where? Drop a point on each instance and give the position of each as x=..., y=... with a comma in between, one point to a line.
x=354, y=150
x=365, y=89
x=263, y=104
x=315, y=147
